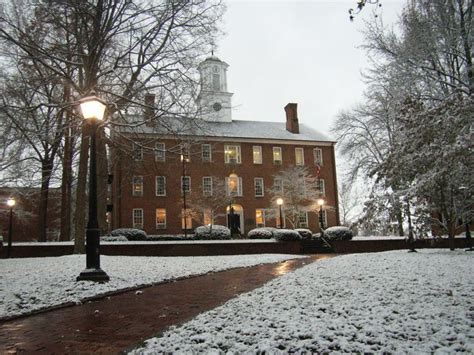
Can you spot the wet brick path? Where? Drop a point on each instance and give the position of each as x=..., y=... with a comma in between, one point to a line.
x=121, y=321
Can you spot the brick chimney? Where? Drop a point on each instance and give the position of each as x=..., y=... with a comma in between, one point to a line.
x=149, y=111
x=292, y=118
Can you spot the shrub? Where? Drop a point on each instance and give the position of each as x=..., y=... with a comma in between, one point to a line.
x=338, y=233
x=215, y=233
x=261, y=233
x=113, y=238
x=284, y=235
x=304, y=233
x=130, y=233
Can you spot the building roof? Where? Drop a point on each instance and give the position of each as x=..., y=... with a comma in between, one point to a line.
x=235, y=129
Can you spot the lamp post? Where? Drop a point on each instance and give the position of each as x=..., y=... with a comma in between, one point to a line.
x=232, y=187
x=93, y=109
x=321, y=203
x=280, y=203
x=184, y=160
x=11, y=203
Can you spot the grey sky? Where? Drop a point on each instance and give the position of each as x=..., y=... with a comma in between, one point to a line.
x=295, y=51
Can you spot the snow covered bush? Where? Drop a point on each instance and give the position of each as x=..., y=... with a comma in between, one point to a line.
x=284, y=235
x=261, y=233
x=338, y=233
x=130, y=233
x=208, y=233
x=304, y=233
x=167, y=237
x=113, y=238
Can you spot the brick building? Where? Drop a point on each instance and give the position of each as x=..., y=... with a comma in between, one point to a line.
x=147, y=188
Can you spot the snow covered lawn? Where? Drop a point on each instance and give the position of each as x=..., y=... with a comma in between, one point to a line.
x=391, y=302
x=34, y=283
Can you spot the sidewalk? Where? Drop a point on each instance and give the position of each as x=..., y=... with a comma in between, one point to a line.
x=124, y=320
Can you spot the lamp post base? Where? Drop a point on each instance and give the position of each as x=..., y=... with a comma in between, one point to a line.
x=96, y=275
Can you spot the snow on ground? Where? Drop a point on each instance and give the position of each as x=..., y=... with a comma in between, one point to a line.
x=391, y=302
x=33, y=283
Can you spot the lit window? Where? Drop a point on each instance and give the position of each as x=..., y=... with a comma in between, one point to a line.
x=161, y=218
x=137, y=186
x=258, y=187
x=137, y=216
x=160, y=186
x=320, y=186
x=260, y=217
x=207, y=216
x=160, y=152
x=185, y=184
x=303, y=220
x=186, y=219
x=232, y=154
x=299, y=156
x=206, y=152
x=233, y=186
x=207, y=185
x=278, y=185
x=318, y=156
x=137, y=152
x=257, y=154
x=185, y=153
x=277, y=156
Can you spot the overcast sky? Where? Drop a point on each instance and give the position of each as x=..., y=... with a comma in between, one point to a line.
x=295, y=51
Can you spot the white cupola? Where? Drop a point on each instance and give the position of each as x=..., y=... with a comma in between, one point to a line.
x=214, y=102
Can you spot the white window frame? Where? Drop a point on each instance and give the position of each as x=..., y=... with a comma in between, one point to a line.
x=280, y=190
x=299, y=163
x=264, y=218
x=182, y=184
x=239, y=191
x=257, y=181
x=257, y=149
x=204, y=191
x=160, y=151
x=277, y=162
x=305, y=222
x=163, y=224
x=137, y=152
x=137, y=213
x=137, y=181
x=158, y=178
x=209, y=150
x=318, y=156
x=227, y=148
x=321, y=186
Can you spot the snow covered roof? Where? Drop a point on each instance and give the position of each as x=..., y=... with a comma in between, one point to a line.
x=235, y=129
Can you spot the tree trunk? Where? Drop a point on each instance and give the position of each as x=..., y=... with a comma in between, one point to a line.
x=66, y=185
x=81, y=206
x=46, y=171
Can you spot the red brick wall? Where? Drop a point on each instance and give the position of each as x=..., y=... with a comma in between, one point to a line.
x=126, y=168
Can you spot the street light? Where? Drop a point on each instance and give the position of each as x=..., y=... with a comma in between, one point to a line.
x=321, y=203
x=233, y=178
x=11, y=203
x=279, y=203
x=184, y=160
x=93, y=109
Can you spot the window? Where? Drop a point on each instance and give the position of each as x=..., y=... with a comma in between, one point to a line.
x=137, y=186
x=258, y=187
x=278, y=185
x=216, y=82
x=320, y=186
x=257, y=154
x=277, y=157
x=160, y=186
x=137, y=152
x=206, y=152
x=207, y=185
x=137, y=216
x=318, y=156
x=232, y=154
x=161, y=218
x=207, y=216
x=186, y=219
x=325, y=220
x=233, y=185
x=303, y=219
x=260, y=217
x=299, y=156
x=160, y=152
x=185, y=184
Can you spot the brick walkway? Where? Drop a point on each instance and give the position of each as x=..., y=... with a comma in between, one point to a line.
x=124, y=320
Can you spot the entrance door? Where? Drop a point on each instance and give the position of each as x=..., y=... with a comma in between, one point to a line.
x=238, y=210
